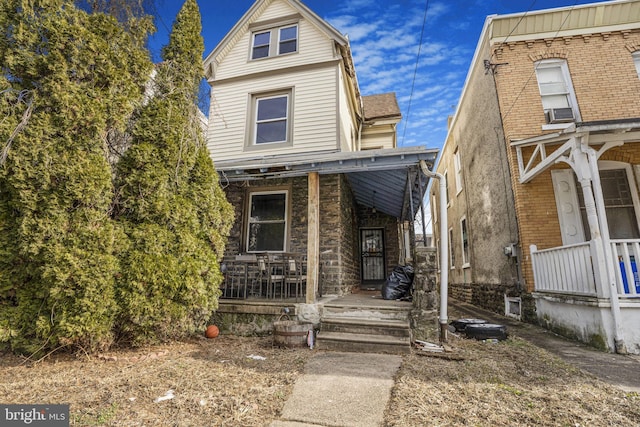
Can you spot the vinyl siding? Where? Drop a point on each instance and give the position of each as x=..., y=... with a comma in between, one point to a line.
x=314, y=113
x=313, y=46
x=374, y=140
x=347, y=126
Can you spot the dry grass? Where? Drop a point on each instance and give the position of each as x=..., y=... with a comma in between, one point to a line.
x=216, y=384
x=504, y=384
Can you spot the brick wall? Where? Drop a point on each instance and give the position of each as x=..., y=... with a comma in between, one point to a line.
x=606, y=86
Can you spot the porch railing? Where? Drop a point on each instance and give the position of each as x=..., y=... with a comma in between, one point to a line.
x=264, y=276
x=566, y=269
x=626, y=255
x=569, y=269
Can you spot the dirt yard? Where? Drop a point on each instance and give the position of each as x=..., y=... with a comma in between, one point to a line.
x=224, y=382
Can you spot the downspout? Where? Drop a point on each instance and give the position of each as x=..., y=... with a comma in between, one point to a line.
x=444, y=243
x=359, y=147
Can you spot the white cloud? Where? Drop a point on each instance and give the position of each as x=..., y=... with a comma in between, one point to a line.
x=385, y=40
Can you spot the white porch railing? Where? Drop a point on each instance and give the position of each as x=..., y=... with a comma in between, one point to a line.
x=566, y=269
x=626, y=254
x=569, y=269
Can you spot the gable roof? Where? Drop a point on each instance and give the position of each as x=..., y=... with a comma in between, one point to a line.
x=251, y=16
x=382, y=106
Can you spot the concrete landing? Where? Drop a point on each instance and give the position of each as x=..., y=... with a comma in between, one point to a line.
x=341, y=390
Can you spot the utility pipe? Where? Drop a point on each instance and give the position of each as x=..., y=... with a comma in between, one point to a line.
x=444, y=248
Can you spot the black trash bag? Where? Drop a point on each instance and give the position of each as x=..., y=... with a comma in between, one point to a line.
x=398, y=285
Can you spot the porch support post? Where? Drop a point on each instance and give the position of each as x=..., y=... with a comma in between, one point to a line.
x=606, y=242
x=444, y=249
x=585, y=163
x=313, y=236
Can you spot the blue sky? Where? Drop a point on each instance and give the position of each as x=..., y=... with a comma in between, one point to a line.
x=385, y=40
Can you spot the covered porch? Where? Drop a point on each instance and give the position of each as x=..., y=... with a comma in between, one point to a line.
x=589, y=288
x=312, y=228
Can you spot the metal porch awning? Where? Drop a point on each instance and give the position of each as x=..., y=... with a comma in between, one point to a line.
x=388, y=180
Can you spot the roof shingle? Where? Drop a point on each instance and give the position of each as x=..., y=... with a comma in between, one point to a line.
x=381, y=106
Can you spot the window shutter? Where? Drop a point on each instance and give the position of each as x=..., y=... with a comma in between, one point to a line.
x=564, y=188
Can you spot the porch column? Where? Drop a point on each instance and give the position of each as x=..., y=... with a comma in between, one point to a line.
x=606, y=242
x=585, y=163
x=580, y=164
x=313, y=236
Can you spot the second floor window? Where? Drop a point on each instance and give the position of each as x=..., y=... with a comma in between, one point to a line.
x=636, y=60
x=558, y=99
x=271, y=119
x=458, y=169
x=275, y=41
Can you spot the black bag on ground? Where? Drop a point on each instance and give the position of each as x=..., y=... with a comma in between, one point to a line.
x=399, y=283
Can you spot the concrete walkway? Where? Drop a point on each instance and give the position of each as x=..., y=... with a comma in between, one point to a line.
x=353, y=389
x=622, y=371
x=341, y=390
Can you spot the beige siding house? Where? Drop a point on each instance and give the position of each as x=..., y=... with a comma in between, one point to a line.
x=543, y=161
x=310, y=165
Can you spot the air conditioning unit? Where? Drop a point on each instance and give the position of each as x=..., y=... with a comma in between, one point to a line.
x=560, y=115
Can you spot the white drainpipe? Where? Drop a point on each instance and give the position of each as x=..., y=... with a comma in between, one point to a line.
x=444, y=248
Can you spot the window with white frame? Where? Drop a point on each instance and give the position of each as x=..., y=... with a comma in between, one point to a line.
x=620, y=201
x=267, y=221
x=464, y=237
x=446, y=181
x=274, y=41
x=556, y=90
x=452, y=258
x=271, y=118
x=434, y=210
x=636, y=60
x=458, y=170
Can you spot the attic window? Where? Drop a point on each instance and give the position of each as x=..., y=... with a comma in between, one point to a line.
x=275, y=41
x=261, y=43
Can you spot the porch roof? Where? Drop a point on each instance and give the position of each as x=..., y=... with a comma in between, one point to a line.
x=388, y=180
x=549, y=148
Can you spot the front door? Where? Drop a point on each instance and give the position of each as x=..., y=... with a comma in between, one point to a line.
x=372, y=252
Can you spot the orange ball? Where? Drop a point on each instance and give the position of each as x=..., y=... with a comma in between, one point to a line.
x=212, y=331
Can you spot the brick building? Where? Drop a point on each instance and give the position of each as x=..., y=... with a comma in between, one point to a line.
x=543, y=164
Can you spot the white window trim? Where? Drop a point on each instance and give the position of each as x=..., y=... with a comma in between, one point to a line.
x=611, y=164
x=297, y=39
x=446, y=188
x=457, y=166
x=452, y=261
x=434, y=213
x=286, y=218
x=252, y=120
x=564, y=67
x=465, y=261
x=274, y=40
x=636, y=60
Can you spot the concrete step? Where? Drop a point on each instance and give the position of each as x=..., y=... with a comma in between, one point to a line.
x=363, y=343
x=395, y=328
x=386, y=312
